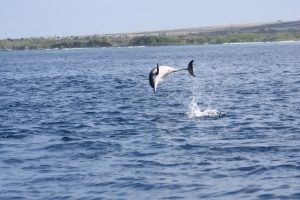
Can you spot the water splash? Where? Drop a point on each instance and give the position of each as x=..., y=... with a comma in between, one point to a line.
x=195, y=112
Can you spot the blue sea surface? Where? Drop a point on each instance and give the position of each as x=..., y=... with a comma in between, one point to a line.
x=85, y=124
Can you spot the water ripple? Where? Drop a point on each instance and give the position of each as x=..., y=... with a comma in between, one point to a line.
x=85, y=124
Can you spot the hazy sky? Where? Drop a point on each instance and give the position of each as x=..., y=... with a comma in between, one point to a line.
x=25, y=18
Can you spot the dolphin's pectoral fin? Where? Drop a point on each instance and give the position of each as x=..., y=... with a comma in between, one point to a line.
x=157, y=69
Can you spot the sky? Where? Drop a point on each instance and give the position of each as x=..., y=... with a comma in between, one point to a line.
x=37, y=18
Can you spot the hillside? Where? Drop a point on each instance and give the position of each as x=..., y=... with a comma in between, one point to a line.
x=264, y=32
x=278, y=26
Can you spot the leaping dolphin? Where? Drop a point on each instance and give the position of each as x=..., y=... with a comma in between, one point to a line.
x=158, y=72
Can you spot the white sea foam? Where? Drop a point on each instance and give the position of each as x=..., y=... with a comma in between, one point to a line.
x=246, y=43
x=130, y=47
x=70, y=49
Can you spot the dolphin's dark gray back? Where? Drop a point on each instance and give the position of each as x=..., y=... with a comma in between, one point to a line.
x=151, y=77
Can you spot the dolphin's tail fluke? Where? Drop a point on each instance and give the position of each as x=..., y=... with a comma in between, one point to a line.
x=190, y=68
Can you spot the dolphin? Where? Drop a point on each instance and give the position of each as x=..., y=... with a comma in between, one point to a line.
x=159, y=72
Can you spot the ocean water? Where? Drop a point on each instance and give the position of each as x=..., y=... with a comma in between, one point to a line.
x=85, y=124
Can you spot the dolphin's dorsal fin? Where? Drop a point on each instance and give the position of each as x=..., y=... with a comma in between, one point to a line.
x=157, y=69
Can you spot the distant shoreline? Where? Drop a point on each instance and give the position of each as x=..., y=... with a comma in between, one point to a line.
x=230, y=34
x=233, y=43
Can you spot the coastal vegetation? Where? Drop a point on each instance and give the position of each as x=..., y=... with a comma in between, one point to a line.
x=213, y=38
x=265, y=33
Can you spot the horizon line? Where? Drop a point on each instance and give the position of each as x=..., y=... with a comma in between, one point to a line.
x=248, y=24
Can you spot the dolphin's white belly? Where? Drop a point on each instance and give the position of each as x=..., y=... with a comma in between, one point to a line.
x=163, y=71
